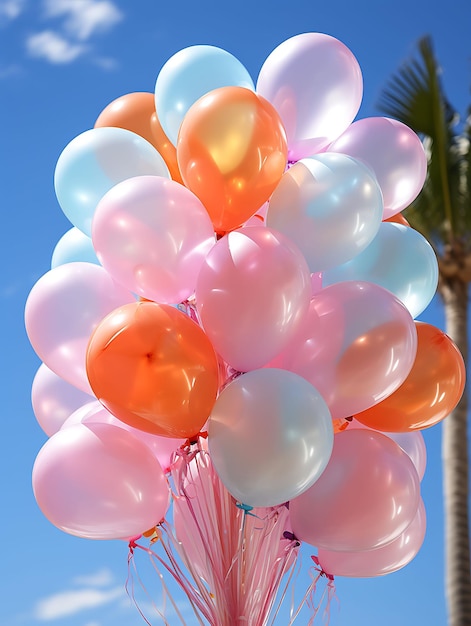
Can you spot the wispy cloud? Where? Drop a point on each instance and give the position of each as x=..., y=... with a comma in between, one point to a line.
x=84, y=18
x=10, y=10
x=72, y=26
x=99, y=589
x=73, y=601
x=53, y=47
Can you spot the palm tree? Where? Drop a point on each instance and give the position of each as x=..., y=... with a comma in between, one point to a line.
x=442, y=212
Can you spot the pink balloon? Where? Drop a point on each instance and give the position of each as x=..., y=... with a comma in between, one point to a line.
x=163, y=448
x=316, y=282
x=379, y=561
x=315, y=83
x=412, y=442
x=252, y=295
x=63, y=309
x=395, y=154
x=366, y=497
x=356, y=346
x=99, y=482
x=54, y=399
x=152, y=235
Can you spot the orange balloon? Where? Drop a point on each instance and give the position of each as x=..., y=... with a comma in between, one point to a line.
x=430, y=392
x=165, y=147
x=231, y=152
x=397, y=219
x=136, y=112
x=154, y=368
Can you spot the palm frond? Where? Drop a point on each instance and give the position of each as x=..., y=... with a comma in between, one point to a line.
x=464, y=186
x=415, y=96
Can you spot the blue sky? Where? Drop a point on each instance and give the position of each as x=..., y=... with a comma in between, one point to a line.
x=61, y=63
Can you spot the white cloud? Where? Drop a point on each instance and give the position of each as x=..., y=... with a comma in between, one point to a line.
x=102, y=578
x=66, y=603
x=79, y=21
x=53, y=47
x=84, y=18
x=10, y=9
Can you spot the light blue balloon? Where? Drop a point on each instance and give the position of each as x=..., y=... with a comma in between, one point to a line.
x=330, y=205
x=94, y=162
x=190, y=74
x=399, y=259
x=73, y=246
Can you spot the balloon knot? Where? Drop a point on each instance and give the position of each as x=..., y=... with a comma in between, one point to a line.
x=321, y=570
x=133, y=543
x=291, y=537
x=232, y=375
x=246, y=508
x=193, y=441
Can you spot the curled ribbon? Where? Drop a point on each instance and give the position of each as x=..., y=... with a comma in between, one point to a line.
x=320, y=569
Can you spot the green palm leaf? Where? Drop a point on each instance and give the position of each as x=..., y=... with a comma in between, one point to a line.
x=415, y=97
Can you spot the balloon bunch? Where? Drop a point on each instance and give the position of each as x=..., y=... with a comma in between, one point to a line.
x=239, y=270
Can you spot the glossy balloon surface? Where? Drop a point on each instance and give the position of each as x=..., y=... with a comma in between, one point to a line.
x=189, y=75
x=366, y=497
x=330, y=205
x=96, y=160
x=154, y=368
x=356, y=346
x=99, y=482
x=431, y=390
x=252, y=295
x=63, y=309
x=379, y=561
x=152, y=235
x=399, y=259
x=395, y=154
x=232, y=153
x=315, y=83
x=270, y=436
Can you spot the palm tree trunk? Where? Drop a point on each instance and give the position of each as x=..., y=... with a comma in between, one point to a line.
x=454, y=293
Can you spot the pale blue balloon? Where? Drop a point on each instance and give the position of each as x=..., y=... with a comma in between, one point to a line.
x=270, y=436
x=73, y=246
x=330, y=205
x=94, y=162
x=399, y=259
x=190, y=74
